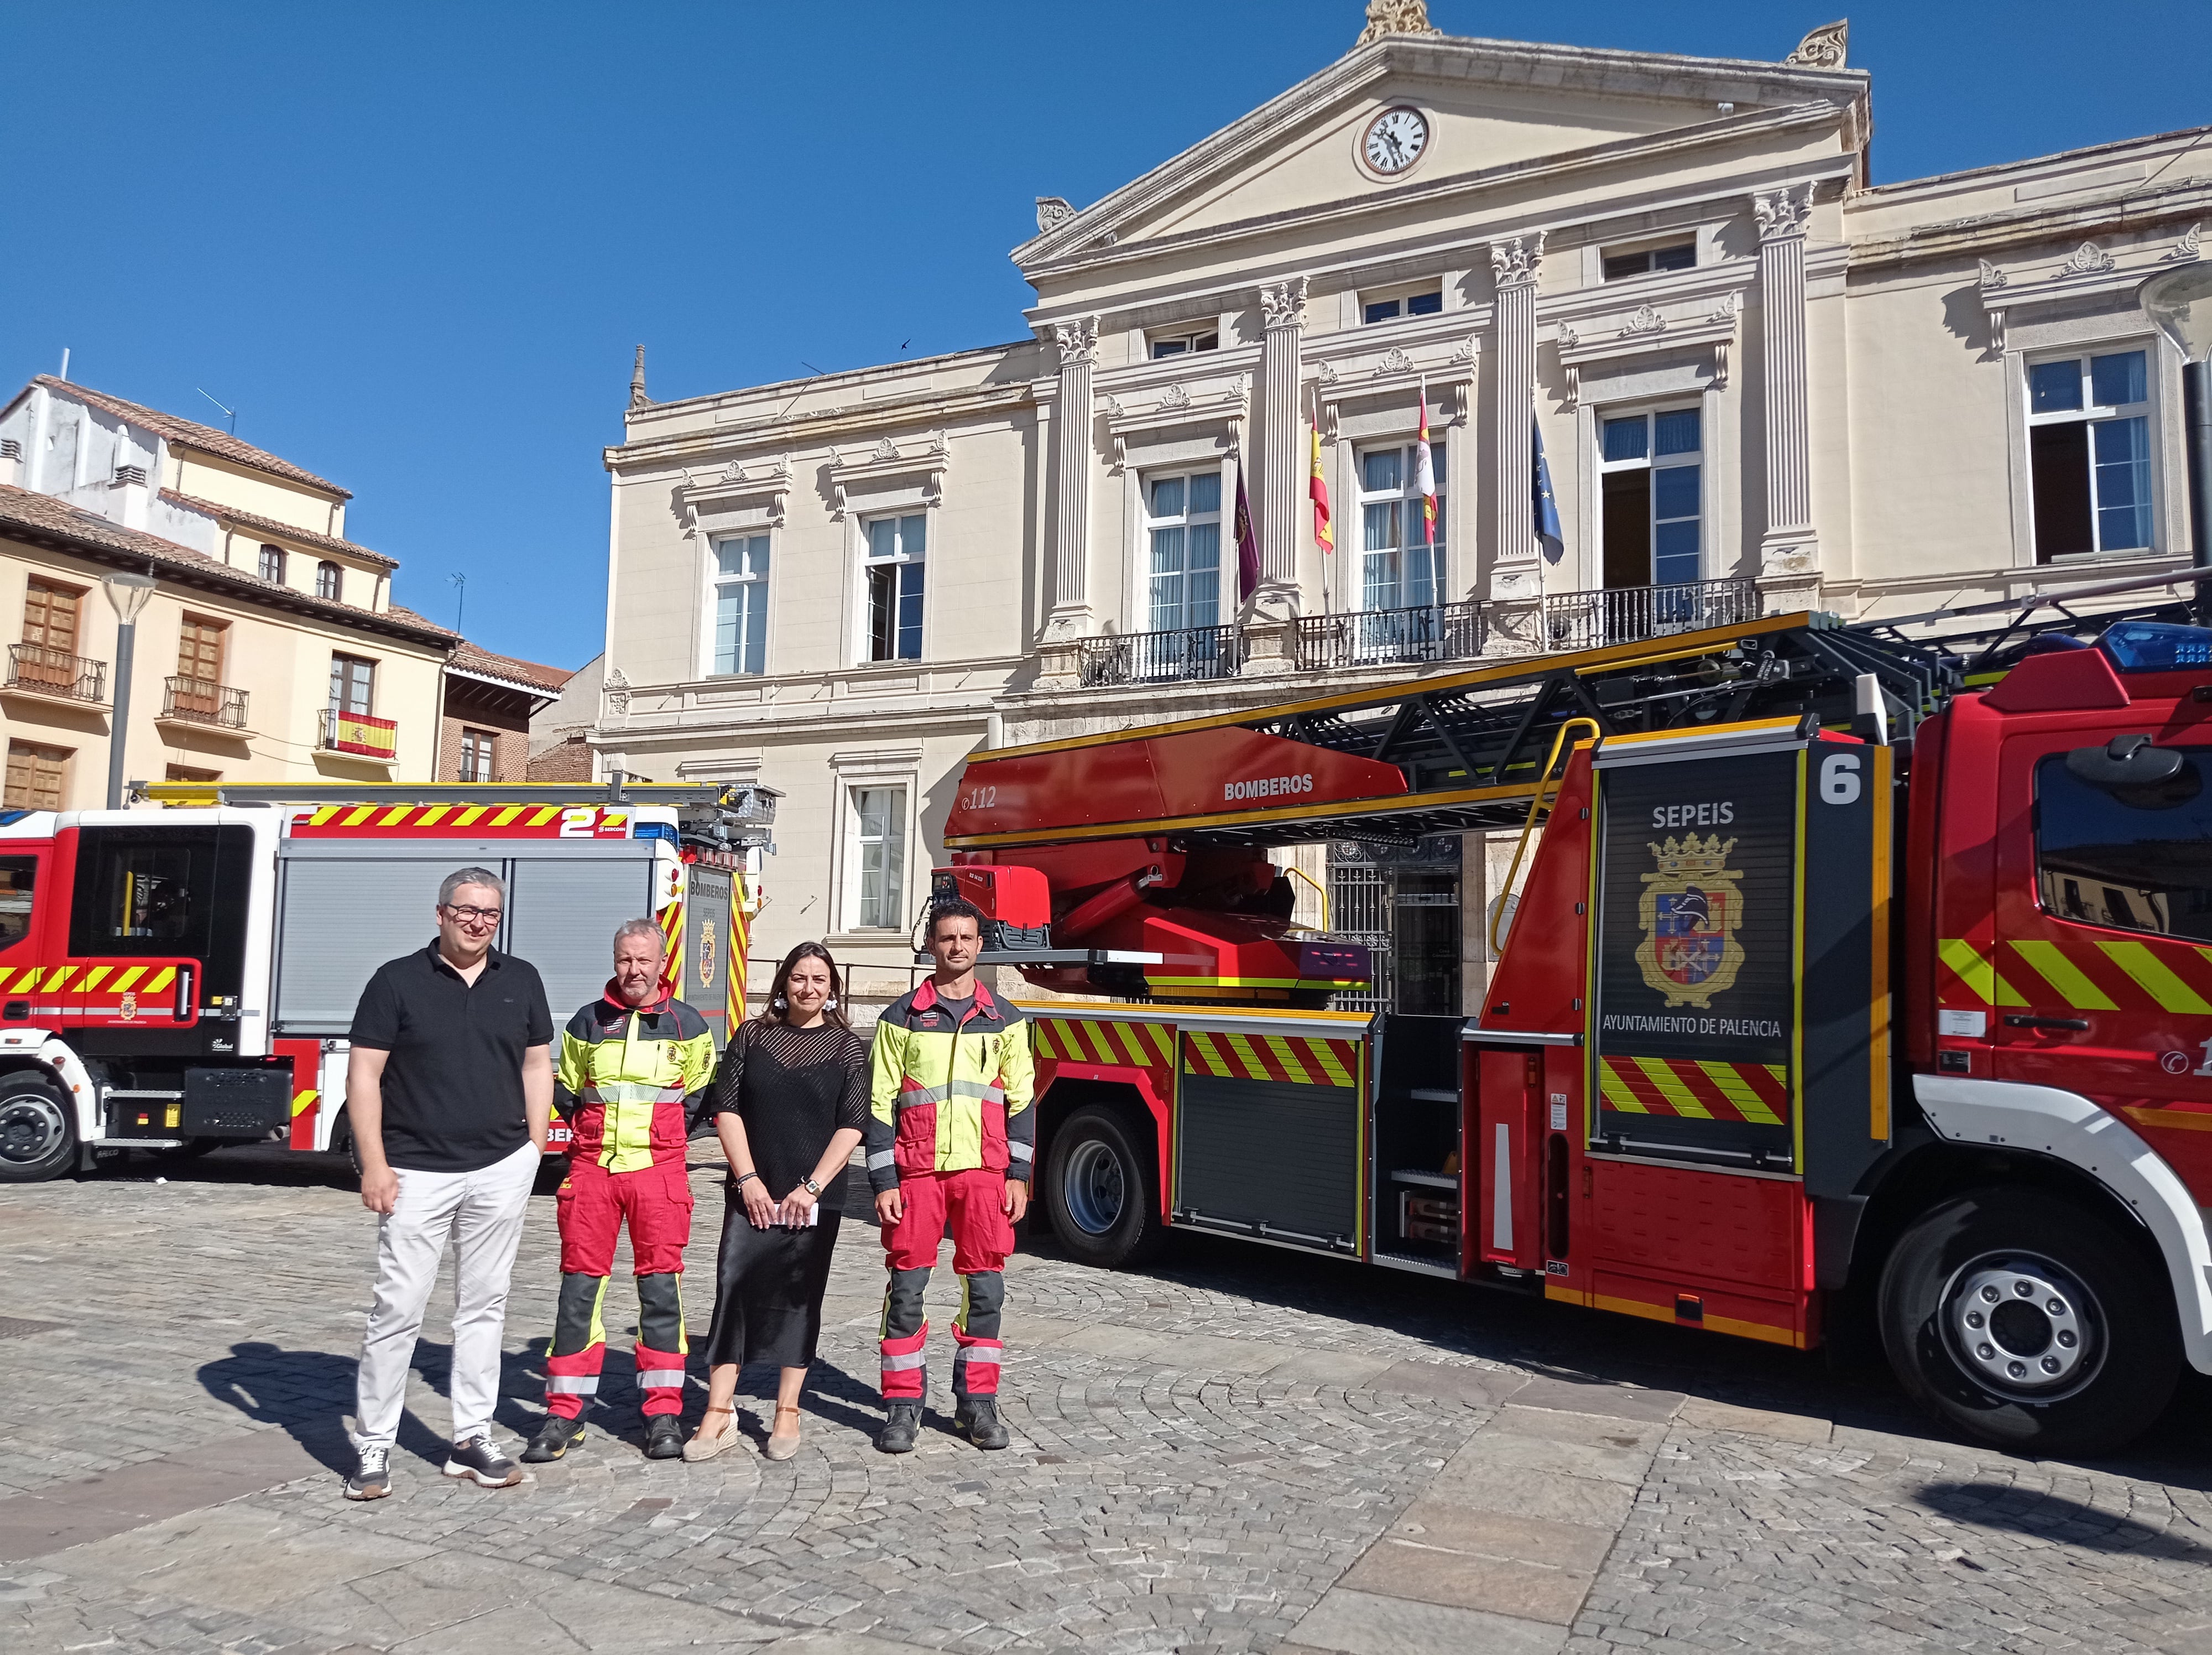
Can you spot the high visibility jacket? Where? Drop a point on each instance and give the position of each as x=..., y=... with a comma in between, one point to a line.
x=946, y=1098
x=624, y=1077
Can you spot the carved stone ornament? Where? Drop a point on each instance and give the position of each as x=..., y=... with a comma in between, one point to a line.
x=637, y=397
x=1470, y=351
x=1397, y=362
x=2189, y=246
x=1284, y=303
x=1052, y=213
x=1078, y=341
x=2087, y=259
x=1395, y=17
x=1643, y=320
x=938, y=446
x=1173, y=398
x=1517, y=261
x=615, y=693
x=733, y=473
x=1569, y=338
x=1726, y=311
x=1113, y=408
x=1328, y=374
x=1992, y=277
x=884, y=449
x=1826, y=47
x=1783, y=212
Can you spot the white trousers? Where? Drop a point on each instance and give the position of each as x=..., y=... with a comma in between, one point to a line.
x=481, y=1214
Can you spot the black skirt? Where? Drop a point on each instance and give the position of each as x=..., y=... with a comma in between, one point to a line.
x=767, y=1289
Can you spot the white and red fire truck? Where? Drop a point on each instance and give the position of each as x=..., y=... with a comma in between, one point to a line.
x=1856, y=983
x=182, y=977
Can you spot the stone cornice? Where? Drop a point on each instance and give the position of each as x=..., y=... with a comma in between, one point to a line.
x=2132, y=210
x=820, y=428
x=1503, y=62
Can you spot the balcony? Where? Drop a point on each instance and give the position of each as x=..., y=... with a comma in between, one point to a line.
x=1190, y=652
x=204, y=703
x=55, y=674
x=359, y=736
x=1376, y=636
x=1591, y=620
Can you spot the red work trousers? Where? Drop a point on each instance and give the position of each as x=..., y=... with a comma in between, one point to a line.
x=594, y=1202
x=982, y=1236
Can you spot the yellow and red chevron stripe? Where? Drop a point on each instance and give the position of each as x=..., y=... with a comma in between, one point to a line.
x=443, y=821
x=59, y=984
x=671, y=918
x=2087, y=973
x=1072, y=1040
x=1290, y=1058
x=1755, y=1093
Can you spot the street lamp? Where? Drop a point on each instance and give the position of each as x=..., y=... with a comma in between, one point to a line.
x=126, y=594
x=2179, y=305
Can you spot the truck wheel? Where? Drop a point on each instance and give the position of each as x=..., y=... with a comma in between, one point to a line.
x=38, y=1131
x=1103, y=1198
x=2030, y=1322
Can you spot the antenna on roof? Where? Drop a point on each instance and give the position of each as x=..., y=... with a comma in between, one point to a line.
x=63, y=374
x=231, y=413
x=460, y=597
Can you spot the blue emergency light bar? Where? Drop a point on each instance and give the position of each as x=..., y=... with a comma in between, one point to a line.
x=2157, y=647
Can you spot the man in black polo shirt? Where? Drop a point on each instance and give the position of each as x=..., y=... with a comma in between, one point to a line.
x=448, y=1090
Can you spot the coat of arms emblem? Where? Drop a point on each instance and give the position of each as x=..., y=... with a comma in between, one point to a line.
x=706, y=954
x=1690, y=912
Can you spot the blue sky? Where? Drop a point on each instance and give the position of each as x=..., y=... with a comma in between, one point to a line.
x=414, y=244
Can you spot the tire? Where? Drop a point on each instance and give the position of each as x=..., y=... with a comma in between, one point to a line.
x=38, y=1129
x=2030, y=1321
x=1102, y=1190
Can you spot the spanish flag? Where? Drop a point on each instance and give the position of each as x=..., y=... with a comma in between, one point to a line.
x=1317, y=489
x=1424, y=474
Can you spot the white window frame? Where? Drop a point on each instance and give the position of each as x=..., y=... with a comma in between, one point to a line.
x=1407, y=499
x=1400, y=296
x=1629, y=250
x=2093, y=414
x=474, y=741
x=1182, y=341
x=1224, y=551
x=857, y=841
x=1653, y=461
x=900, y=559
x=759, y=583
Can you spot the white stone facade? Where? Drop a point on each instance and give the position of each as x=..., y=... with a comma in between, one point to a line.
x=1851, y=366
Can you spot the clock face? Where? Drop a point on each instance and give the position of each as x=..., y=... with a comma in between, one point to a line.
x=1395, y=140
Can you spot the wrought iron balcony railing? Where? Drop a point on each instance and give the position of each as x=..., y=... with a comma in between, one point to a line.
x=202, y=701
x=47, y=672
x=1365, y=637
x=1196, y=652
x=1591, y=620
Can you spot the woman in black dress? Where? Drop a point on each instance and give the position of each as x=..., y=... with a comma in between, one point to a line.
x=792, y=1098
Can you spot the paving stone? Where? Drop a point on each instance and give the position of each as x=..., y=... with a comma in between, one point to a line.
x=1368, y=1623
x=1710, y=1415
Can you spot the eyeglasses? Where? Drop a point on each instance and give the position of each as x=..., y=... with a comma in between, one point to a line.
x=468, y=916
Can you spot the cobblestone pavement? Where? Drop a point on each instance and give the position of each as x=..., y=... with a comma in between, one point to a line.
x=1238, y=1449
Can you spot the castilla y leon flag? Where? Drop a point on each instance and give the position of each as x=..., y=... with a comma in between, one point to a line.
x=1248, y=544
x=1424, y=473
x=1317, y=490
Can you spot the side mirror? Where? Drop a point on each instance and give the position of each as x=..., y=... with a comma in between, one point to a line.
x=2127, y=761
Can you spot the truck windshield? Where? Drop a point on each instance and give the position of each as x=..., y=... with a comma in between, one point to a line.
x=17, y=876
x=2134, y=859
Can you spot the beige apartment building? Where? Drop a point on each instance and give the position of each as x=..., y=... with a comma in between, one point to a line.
x=270, y=649
x=1756, y=379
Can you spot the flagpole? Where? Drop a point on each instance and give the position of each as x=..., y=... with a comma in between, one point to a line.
x=1327, y=606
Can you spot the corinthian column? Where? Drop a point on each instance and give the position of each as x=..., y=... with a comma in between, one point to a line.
x=1285, y=306
x=1788, y=551
x=1078, y=342
x=1516, y=575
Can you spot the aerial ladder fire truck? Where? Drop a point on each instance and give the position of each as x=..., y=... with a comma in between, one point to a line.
x=1857, y=982
x=178, y=978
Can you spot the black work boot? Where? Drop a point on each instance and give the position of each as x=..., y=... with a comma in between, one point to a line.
x=902, y=1430
x=977, y=1419
x=555, y=1438
x=663, y=1438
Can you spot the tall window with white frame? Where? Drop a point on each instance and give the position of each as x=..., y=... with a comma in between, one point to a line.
x=877, y=863
x=1397, y=568
x=741, y=605
x=1651, y=472
x=2089, y=449
x=1184, y=575
x=476, y=747
x=895, y=549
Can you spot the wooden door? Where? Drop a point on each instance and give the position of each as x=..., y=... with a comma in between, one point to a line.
x=38, y=776
x=48, y=658
x=199, y=664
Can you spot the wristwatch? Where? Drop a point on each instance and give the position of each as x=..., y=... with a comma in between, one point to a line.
x=813, y=1188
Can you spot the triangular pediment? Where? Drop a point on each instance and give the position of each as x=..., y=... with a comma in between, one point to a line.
x=1487, y=106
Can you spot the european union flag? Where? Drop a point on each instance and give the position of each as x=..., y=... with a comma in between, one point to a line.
x=1546, y=504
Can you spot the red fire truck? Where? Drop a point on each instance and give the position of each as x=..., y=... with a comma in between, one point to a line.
x=1855, y=982
x=183, y=977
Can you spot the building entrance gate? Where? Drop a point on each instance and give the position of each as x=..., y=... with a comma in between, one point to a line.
x=1403, y=903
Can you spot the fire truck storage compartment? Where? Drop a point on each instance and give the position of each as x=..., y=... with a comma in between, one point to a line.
x=1417, y=1139
x=1274, y=1159
x=238, y=1103
x=347, y=907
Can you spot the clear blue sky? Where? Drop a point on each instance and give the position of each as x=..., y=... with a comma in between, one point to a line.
x=414, y=244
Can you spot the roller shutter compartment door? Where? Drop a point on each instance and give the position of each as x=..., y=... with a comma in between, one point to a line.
x=1255, y=1152
x=343, y=917
x=561, y=916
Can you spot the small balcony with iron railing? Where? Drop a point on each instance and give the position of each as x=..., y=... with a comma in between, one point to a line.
x=357, y=736
x=1388, y=636
x=48, y=674
x=1183, y=654
x=203, y=704
x=1592, y=620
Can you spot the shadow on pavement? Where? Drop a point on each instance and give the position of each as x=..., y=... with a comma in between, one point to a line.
x=2055, y=1519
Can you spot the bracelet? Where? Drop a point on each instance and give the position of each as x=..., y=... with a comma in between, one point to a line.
x=744, y=1179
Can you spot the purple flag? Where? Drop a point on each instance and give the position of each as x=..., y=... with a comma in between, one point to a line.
x=1248, y=548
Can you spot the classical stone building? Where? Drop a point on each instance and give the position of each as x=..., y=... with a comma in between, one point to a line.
x=1755, y=378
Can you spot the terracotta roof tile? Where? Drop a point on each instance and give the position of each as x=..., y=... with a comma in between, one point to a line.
x=270, y=525
x=42, y=515
x=471, y=659
x=191, y=434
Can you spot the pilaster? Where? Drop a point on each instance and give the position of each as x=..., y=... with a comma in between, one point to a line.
x=1283, y=305
x=1077, y=344
x=1789, y=550
x=1516, y=570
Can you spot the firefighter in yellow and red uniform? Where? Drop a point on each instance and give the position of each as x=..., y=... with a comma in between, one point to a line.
x=630, y=1066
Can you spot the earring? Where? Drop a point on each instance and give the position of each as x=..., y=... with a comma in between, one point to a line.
x=779, y=1003
x=829, y=1005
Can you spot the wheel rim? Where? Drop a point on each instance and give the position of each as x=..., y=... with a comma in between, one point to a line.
x=2024, y=1325
x=32, y=1128
x=1093, y=1187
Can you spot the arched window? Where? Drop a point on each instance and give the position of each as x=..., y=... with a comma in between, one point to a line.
x=326, y=580
x=272, y=563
